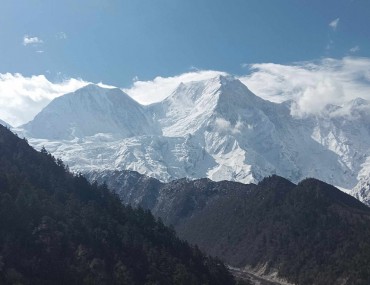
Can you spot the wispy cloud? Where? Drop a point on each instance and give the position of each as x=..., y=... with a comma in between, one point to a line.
x=354, y=49
x=311, y=84
x=29, y=40
x=225, y=126
x=147, y=92
x=61, y=36
x=329, y=45
x=334, y=24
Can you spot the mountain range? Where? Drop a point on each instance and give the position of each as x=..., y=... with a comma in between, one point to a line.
x=216, y=129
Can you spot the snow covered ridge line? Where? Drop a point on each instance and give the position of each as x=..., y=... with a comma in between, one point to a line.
x=5, y=124
x=215, y=128
x=89, y=111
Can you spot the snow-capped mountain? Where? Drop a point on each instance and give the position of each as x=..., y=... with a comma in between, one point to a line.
x=5, y=124
x=213, y=128
x=89, y=111
x=362, y=190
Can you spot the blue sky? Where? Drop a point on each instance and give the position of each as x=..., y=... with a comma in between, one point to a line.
x=114, y=41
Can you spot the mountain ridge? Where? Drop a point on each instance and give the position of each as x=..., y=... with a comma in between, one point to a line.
x=310, y=232
x=219, y=129
x=89, y=111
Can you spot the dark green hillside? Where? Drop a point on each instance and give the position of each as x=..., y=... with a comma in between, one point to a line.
x=312, y=233
x=56, y=228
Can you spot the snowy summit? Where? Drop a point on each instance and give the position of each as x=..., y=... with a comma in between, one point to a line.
x=215, y=128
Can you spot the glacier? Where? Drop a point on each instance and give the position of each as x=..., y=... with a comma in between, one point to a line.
x=215, y=128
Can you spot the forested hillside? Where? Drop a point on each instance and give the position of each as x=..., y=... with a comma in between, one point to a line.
x=56, y=228
x=311, y=233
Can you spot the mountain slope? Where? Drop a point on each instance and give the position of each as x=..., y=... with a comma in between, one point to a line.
x=310, y=233
x=4, y=124
x=192, y=106
x=214, y=128
x=362, y=190
x=56, y=228
x=89, y=111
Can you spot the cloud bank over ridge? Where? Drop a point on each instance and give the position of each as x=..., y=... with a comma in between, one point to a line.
x=311, y=84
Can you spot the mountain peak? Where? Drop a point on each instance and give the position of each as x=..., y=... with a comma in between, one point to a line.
x=235, y=96
x=91, y=87
x=357, y=102
x=91, y=110
x=96, y=89
x=195, y=105
x=190, y=107
x=227, y=79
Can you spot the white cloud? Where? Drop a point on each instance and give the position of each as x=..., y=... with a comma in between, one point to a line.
x=103, y=85
x=147, y=92
x=225, y=126
x=311, y=84
x=28, y=40
x=21, y=98
x=354, y=49
x=334, y=24
x=222, y=124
